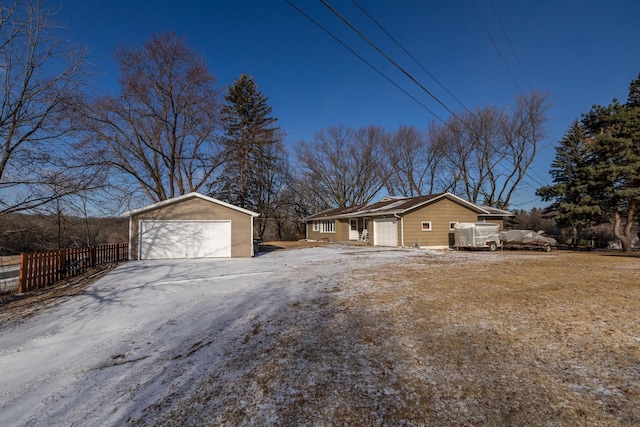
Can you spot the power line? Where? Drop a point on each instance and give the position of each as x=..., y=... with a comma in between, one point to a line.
x=303, y=13
x=446, y=123
x=350, y=25
x=495, y=45
x=410, y=55
x=510, y=45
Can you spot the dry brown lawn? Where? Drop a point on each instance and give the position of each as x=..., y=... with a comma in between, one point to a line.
x=549, y=339
x=473, y=339
x=513, y=338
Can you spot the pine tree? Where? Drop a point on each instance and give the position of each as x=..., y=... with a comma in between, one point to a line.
x=613, y=169
x=570, y=202
x=255, y=155
x=597, y=168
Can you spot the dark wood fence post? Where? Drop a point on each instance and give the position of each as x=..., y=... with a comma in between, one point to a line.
x=62, y=263
x=92, y=256
x=22, y=278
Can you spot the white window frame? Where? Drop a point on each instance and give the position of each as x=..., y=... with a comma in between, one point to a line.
x=429, y=226
x=327, y=226
x=452, y=225
x=314, y=226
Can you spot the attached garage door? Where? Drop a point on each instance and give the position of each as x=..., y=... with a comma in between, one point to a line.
x=185, y=239
x=385, y=232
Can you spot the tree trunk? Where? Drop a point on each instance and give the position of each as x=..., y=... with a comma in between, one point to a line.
x=624, y=234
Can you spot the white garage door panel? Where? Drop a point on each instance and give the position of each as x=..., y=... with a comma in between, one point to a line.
x=185, y=239
x=385, y=232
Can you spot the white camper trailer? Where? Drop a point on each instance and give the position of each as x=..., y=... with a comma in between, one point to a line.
x=477, y=235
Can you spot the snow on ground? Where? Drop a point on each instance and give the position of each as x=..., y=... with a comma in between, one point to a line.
x=131, y=347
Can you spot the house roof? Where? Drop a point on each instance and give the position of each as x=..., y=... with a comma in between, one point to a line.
x=187, y=197
x=491, y=211
x=400, y=205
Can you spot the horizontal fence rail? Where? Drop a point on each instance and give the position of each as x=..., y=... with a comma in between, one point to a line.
x=41, y=269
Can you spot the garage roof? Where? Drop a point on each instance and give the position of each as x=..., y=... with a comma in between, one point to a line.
x=186, y=197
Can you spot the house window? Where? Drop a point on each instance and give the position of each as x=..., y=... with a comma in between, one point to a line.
x=314, y=226
x=426, y=225
x=327, y=226
x=366, y=223
x=452, y=225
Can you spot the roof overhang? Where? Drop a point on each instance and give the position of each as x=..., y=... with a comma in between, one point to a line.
x=187, y=197
x=363, y=212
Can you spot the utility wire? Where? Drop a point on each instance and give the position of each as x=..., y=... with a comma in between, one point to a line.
x=446, y=123
x=303, y=13
x=410, y=55
x=350, y=25
x=495, y=45
x=510, y=45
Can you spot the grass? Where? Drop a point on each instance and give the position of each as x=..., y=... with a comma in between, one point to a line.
x=514, y=338
x=472, y=338
x=550, y=339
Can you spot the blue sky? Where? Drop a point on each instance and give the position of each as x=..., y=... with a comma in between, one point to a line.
x=580, y=52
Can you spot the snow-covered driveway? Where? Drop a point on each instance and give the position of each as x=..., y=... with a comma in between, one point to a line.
x=135, y=340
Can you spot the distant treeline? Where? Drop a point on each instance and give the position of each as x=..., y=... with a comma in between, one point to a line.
x=41, y=232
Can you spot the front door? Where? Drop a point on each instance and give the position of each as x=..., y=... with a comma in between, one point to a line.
x=353, y=229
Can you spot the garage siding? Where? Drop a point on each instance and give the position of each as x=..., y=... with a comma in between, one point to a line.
x=199, y=209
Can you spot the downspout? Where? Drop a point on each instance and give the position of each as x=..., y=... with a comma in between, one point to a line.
x=253, y=252
x=401, y=229
x=129, y=250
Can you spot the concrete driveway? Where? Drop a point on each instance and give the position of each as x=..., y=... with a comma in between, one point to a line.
x=148, y=329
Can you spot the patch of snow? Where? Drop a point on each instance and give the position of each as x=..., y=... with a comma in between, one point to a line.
x=149, y=329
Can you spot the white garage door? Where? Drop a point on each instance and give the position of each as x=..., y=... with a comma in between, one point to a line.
x=385, y=232
x=185, y=239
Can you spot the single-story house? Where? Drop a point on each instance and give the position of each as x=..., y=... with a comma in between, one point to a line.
x=424, y=221
x=190, y=226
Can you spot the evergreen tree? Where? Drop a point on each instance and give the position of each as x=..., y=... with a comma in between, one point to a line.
x=568, y=192
x=255, y=156
x=605, y=183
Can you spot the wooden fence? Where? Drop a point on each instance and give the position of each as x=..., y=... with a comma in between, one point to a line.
x=41, y=269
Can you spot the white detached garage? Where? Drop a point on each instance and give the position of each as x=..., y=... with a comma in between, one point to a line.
x=190, y=226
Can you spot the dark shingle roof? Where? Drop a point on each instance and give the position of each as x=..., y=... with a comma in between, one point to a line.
x=399, y=205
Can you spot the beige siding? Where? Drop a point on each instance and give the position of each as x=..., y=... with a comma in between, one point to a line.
x=496, y=220
x=341, y=231
x=318, y=235
x=199, y=209
x=440, y=213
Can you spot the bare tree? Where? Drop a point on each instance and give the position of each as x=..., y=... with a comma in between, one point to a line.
x=40, y=74
x=488, y=151
x=414, y=162
x=161, y=134
x=342, y=167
